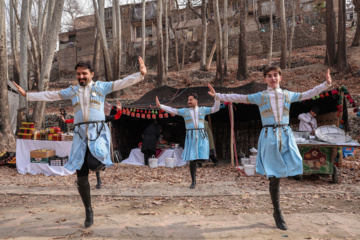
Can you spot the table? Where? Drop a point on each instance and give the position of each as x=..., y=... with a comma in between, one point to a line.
x=318, y=156
x=24, y=166
x=136, y=157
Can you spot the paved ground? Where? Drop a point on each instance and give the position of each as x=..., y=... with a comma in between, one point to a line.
x=40, y=207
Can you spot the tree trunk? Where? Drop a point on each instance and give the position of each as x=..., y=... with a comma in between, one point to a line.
x=50, y=45
x=23, y=50
x=117, y=45
x=208, y=65
x=242, y=73
x=271, y=32
x=219, y=72
x=183, y=51
x=283, y=35
x=356, y=40
x=292, y=33
x=14, y=42
x=203, y=35
x=7, y=138
x=330, y=57
x=166, y=39
x=161, y=80
x=143, y=28
x=342, y=64
x=101, y=29
x=226, y=38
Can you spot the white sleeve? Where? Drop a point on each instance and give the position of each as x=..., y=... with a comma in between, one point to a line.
x=238, y=98
x=315, y=91
x=216, y=107
x=169, y=109
x=47, y=96
x=128, y=81
x=302, y=117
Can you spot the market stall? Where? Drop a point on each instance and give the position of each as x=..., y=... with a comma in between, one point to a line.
x=23, y=159
x=136, y=157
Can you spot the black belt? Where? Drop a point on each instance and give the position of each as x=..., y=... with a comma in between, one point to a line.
x=274, y=128
x=202, y=131
x=87, y=123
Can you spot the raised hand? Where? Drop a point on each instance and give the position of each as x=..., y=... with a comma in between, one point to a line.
x=212, y=91
x=157, y=102
x=328, y=77
x=118, y=105
x=20, y=89
x=143, y=70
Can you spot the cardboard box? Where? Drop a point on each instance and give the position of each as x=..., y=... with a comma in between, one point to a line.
x=42, y=153
x=39, y=160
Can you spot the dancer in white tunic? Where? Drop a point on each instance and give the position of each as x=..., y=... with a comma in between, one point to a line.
x=278, y=155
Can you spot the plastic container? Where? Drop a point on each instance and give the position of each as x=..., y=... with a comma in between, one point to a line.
x=153, y=162
x=245, y=161
x=252, y=159
x=170, y=162
x=249, y=170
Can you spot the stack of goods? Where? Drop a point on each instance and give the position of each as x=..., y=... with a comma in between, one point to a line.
x=58, y=161
x=26, y=131
x=163, y=144
x=50, y=134
x=41, y=155
x=8, y=158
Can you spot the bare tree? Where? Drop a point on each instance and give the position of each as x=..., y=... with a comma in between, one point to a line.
x=100, y=25
x=7, y=139
x=356, y=40
x=271, y=32
x=342, y=64
x=292, y=32
x=97, y=47
x=143, y=28
x=226, y=38
x=116, y=43
x=330, y=57
x=283, y=35
x=174, y=30
x=50, y=45
x=219, y=72
x=73, y=9
x=166, y=39
x=242, y=73
x=161, y=79
x=14, y=42
x=24, y=23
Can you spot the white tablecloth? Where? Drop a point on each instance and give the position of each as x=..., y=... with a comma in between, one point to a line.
x=23, y=164
x=136, y=157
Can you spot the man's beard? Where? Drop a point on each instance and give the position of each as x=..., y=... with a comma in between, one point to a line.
x=82, y=83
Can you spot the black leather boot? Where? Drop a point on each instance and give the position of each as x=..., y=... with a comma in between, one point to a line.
x=275, y=198
x=98, y=186
x=84, y=191
x=193, y=166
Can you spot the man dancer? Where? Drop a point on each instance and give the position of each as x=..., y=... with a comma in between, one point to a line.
x=197, y=141
x=91, y=144
x=278, y=155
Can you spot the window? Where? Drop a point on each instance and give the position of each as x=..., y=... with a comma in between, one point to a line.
x=148, y=31
x=72, y=38
x=80, y=49
x=108, y=13
x=109, y=33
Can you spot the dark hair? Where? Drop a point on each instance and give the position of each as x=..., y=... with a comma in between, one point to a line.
x=194, y=96
x=85, y=64
x=269, y=68
x=62, y=109
x=315, y=109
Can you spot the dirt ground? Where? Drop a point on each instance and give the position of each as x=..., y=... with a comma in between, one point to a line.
x=138, y=202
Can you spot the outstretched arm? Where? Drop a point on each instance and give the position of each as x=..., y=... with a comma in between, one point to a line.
x=165, y=108
x=318, y=89
x=47, y=96
x=132, y=79
x=239, y=98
